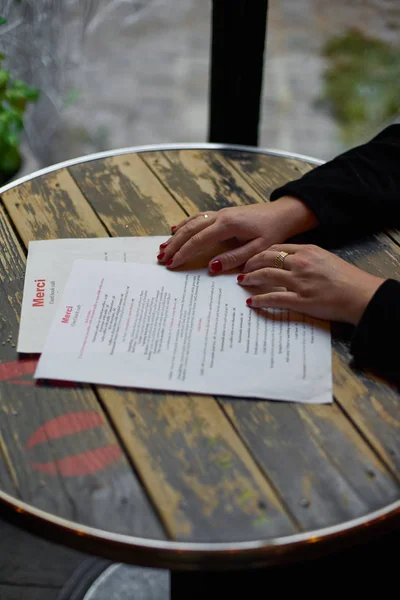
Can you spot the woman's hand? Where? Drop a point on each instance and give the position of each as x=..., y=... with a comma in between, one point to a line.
x=317, y=283
x=255, y=227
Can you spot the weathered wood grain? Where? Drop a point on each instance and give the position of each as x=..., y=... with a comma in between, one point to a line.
x=59, y=449
x=6, y=481
x=200, y=175
x=205, y=483
x=265, y=173
x=322, y=469
x=394, y=234
x=126, y=195
x=196, y=469
x=318, y=489
x=12, y=267
x=254, y=510
x=376, y=253
x=368, y=401
x=39, y=208
x=375, y=413
x=11, y=280
x=209, y=484
x=67, y=460
x=371, y=403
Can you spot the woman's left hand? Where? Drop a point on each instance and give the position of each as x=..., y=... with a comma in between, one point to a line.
x=317, y=283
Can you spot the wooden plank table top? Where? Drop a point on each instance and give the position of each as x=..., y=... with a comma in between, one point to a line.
x=173, y=480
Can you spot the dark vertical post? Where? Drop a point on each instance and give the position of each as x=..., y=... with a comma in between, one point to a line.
x=237, y=53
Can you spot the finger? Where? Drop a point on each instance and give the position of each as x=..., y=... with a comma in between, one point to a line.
x=267, y=259
x=176, y=228
x=267, y=276
x=289, y=248
x=236, y=257
x=190, y=229
x=285, y=300
x=207, y=238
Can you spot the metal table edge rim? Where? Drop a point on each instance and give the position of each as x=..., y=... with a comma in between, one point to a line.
x=172, y=552
x=157, y=148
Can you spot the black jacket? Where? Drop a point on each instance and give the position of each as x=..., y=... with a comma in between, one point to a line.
x=360, y=191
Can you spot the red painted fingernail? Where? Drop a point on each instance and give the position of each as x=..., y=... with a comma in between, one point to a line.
x=169, y=262
x=173, y=227
x=161, y=256
x=164, y=245
x=240, y=278
x=216, y=266
x=248, y=301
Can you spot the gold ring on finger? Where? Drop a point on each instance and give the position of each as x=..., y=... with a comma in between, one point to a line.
x=280, y=259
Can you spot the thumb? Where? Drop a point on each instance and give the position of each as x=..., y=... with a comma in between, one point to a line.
x=236, y=257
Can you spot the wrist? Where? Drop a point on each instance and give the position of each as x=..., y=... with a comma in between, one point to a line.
x=296, y=217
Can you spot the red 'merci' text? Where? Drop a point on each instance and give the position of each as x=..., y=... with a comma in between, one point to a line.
x=40, y=289
x=67, y=315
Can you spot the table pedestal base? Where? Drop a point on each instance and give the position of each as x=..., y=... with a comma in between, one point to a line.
x=104, y=580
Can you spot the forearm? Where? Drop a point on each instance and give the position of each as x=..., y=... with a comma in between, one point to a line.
x=358, y=189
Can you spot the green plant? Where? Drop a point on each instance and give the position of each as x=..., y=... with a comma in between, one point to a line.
x=362, y=82
x=14, y=96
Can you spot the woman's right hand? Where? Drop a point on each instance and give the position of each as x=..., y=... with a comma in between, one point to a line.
x=256, y=227
x=312, y=281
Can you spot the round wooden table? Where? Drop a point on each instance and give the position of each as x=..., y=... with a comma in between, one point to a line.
x=183, y=481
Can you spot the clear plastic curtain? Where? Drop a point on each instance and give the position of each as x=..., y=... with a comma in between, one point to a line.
x=44, y=44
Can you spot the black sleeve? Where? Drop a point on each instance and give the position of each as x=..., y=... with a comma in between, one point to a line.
x=359, y=189
x=376, y=339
